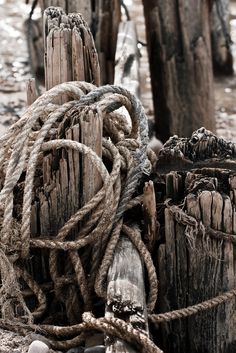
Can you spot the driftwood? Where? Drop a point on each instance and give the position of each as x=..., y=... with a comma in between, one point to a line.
x=180, y=65
x=193, y=266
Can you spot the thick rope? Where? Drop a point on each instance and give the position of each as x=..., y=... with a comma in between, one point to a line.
x=194, y=309
x=125, y=146
x=21, y=153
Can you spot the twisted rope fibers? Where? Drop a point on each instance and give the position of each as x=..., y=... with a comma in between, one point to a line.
x=22, y=148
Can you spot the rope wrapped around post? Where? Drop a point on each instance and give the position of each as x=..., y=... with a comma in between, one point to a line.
x=22, y=149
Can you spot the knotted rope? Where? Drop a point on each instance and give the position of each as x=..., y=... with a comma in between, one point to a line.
x=21, y=153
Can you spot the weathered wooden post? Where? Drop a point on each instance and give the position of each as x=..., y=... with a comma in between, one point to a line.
x=103, y=18
x=220, y=38
x=126, y=295
x=196, y=259
x=179, y=47
x=70, y=55
x=71, y=6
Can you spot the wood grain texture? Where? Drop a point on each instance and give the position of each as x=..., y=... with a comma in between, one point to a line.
x=178, y=38
x=196, y=268
x=31, y=91
x=126, y=297
x=151, y=225
x=221, y=46
x=65, y=180
x=103, y=17
x=70, y=52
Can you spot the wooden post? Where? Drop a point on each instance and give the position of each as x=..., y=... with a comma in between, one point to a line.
x=194, y=267
x=66, y=180
x=220, y=38
x=103, y=17
x=126, y=292
x=34, y=34
x=126, y=296
x=69, y=6
x=70, y=53
x=178, y=38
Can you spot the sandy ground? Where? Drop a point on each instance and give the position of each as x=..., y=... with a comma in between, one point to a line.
x=11, y=343
x=14, y=68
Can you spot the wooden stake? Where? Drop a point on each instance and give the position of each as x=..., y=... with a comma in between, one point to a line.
x=220, y=42
x=103, y=17
x=193, y=267
x=71, y=6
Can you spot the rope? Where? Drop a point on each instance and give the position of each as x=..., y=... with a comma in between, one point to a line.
x=194, y=309
x=100, y=221
x=22, y=149
x=193, y=229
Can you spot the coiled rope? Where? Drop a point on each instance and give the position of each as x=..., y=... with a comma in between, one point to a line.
x=21, y=151
x=125, y=146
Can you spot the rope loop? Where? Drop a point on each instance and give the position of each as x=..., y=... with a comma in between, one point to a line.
x=95, y=227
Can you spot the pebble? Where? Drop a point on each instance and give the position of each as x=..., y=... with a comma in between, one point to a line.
x=38, y=347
